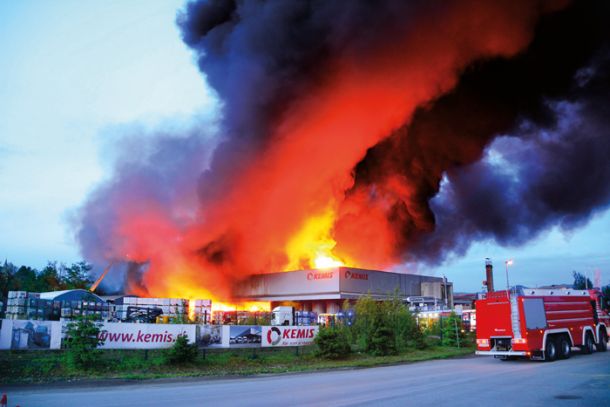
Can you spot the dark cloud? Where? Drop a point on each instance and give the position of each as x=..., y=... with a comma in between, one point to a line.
x=556, y=171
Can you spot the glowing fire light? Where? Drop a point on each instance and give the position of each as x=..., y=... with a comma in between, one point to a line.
x=191, y=310
x=251, y=306
x=326, y=262
x=312, y=246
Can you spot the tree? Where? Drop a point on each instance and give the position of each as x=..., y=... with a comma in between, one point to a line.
x=378, y=321
x=366, y=314
x=49, y=278
x=77, y=275
x=452, y=330
x=333, y=343
x=25, y=279
x=581, y=282
x=82, y=340
x=383, y=342
x=182, y=351
x=7, y=278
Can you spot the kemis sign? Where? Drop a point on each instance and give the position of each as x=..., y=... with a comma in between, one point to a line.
x=324, y=275
x=288, y=335
x=353, y=275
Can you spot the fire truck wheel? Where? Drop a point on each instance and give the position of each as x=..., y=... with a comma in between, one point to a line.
x=550, y=350
x=565, y=350
x=589, y=345
x=602, y=346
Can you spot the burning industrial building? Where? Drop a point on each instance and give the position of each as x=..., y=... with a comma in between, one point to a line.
x=364, y=134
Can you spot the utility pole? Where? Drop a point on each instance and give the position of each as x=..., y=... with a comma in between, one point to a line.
x=440, y=319
x=446, y=293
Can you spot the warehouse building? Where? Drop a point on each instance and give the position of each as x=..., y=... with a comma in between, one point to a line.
x=324, y=291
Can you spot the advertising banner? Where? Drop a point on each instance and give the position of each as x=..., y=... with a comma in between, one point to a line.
x=244, y=336
x=275, y=336
x=30, y=334
x=210, y=336
x=143, y=336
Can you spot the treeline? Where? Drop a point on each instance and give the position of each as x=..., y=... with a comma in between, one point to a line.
x=582, y=282
x=54, y=276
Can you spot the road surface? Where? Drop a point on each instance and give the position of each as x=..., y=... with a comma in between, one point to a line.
x=475, y=381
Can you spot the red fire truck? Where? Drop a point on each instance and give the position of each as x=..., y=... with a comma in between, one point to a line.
x=542, y=324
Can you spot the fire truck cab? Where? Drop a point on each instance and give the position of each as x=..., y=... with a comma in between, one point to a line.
x=542, y=324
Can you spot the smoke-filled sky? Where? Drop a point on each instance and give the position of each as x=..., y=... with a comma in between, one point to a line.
x=219, y=139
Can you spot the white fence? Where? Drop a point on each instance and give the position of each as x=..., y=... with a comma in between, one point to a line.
x=33, y=334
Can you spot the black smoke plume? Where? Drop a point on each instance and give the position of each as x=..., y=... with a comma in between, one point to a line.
x=550, y=104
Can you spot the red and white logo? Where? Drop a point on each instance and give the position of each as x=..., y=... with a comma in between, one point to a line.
x=325, y=275
x=288, y=336
x=355, y=275
x=274, y=336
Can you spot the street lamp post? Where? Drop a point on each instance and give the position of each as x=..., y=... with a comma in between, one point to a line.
x=508, y=262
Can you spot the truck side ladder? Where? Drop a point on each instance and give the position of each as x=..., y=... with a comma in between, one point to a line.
x=514, y=316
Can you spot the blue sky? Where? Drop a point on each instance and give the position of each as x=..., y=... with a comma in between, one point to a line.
x=72, y=70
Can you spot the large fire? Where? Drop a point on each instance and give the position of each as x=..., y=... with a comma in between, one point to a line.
x=281, y=192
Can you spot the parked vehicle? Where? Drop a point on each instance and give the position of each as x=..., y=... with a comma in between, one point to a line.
x=286, y=315
x=541, y=324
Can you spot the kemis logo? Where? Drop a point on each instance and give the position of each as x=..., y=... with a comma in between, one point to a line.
x=320, y=276
x=355, y=276
x=274, y=336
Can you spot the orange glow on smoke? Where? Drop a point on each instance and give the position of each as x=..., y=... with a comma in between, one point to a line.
x=288, y=208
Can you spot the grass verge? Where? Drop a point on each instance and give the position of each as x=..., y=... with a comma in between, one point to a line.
x=22, y=367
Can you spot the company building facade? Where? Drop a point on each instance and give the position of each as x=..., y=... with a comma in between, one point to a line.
x=324, y=291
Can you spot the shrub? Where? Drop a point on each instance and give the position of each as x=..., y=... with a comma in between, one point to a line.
x=391, y=314
x=82, y=340
x=419, y=340
x=367, y=316
x=452, y=330
x=332, y=343
x=182, y=351
x=382, y=342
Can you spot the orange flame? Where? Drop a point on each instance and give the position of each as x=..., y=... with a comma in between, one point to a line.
x=251, y=306
x=312, y=246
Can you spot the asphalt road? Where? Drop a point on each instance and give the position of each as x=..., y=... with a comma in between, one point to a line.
x=476, y=381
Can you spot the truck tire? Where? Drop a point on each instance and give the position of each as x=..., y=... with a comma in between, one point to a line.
x=550, y=350
x=602, y=345
x=564, y=347
x=589, y=345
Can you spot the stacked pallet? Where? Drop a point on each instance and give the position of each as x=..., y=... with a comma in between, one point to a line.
x=201, y=310
x=172, y=307
x=99, y=310
x=25, y=305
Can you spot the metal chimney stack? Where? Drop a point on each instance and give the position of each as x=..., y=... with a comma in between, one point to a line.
x=489, y=275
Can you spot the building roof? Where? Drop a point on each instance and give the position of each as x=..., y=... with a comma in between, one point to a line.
x=337, y=284
x=77, y=294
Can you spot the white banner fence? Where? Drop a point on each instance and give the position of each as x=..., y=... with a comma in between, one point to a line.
x=34, y=334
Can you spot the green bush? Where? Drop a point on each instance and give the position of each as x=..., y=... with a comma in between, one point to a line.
x=82, y=340
x=182, y=351
x=452, y=331
x=382, y=342
x=332, y=343
x=390, y=314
